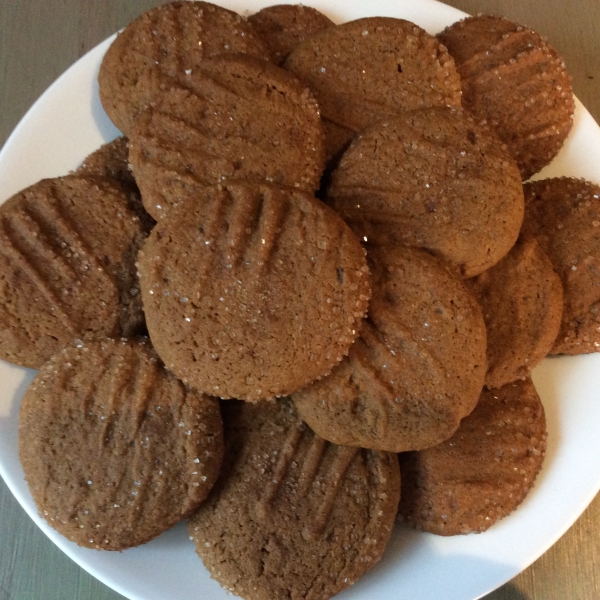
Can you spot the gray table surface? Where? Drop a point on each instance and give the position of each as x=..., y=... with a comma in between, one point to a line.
x=39, y=39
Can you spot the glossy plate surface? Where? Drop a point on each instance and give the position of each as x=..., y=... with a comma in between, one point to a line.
x=67, y=123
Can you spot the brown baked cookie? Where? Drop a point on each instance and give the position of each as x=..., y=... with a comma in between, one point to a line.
x=521, y=298
x=514, y=80
x=563, y=214
x=68, y=248
x=111, y=161
x=432, y=178
x=484, y=471
x=373, y=68
x=252, y=291
x=237, y=117
x=417, y=368
x=284, y=26
x=164, y=45
x=293, y=516
x=115, y=449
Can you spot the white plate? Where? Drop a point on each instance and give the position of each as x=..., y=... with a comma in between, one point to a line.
x=67, y=123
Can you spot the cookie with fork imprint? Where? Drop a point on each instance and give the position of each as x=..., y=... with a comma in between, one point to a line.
x=563, y=214
x=69, y=247
x=370, y=69
x=162, y=46
x=417, y=368
x=515, y=81
x=252, y=291
x=293, y=516
x=484, y=471
x=522, y=299
x=237, y=117
x=435, y=179
x=284, y=26
x=115, y=449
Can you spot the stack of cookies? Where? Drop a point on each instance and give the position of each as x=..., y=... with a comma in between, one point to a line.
x=216, y=343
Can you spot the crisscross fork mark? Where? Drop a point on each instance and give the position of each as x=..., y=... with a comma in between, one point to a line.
x=309, y=470
x=286, y=456
x=335, y=475
x=10, y=249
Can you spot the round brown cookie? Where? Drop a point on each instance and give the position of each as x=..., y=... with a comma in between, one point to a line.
x=293, y=516
x=521, y=298
x=238, y=117
x=435, y=179
x=252, y=291
x=115, y=449
x=168, y=41
x=514, y=80
x=284, y=26
x=484, y=471
x=417, y=368
x=563, y=214
x=68, y=248
x=373, y=68
x=111, y=161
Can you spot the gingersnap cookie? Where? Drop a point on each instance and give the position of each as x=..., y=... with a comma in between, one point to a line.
x=252, y=291
x=68, y=249
x=417, y=368
x=484, y=471
x=163, y=46
x=515, y=81
x=563, y=214
x=370, y=69
x=111, y=161
x=521, y=298
x=284, y=26
x=115, y=449
x=237, y=117
x=291, y=515
x=432, y=178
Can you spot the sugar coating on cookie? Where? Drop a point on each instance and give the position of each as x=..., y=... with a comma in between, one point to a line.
x=515, y=81
x=432, y=178
x=115, y=449
x=68, y=248
x=293, y=516
x=284, y=26
x=370, y=69
x=484, y=471
x=111, y=161
x=163, y=45
x=252, y=291
x=563, y=214
x=235, y=116
x=521, y=298
x=417, y=368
